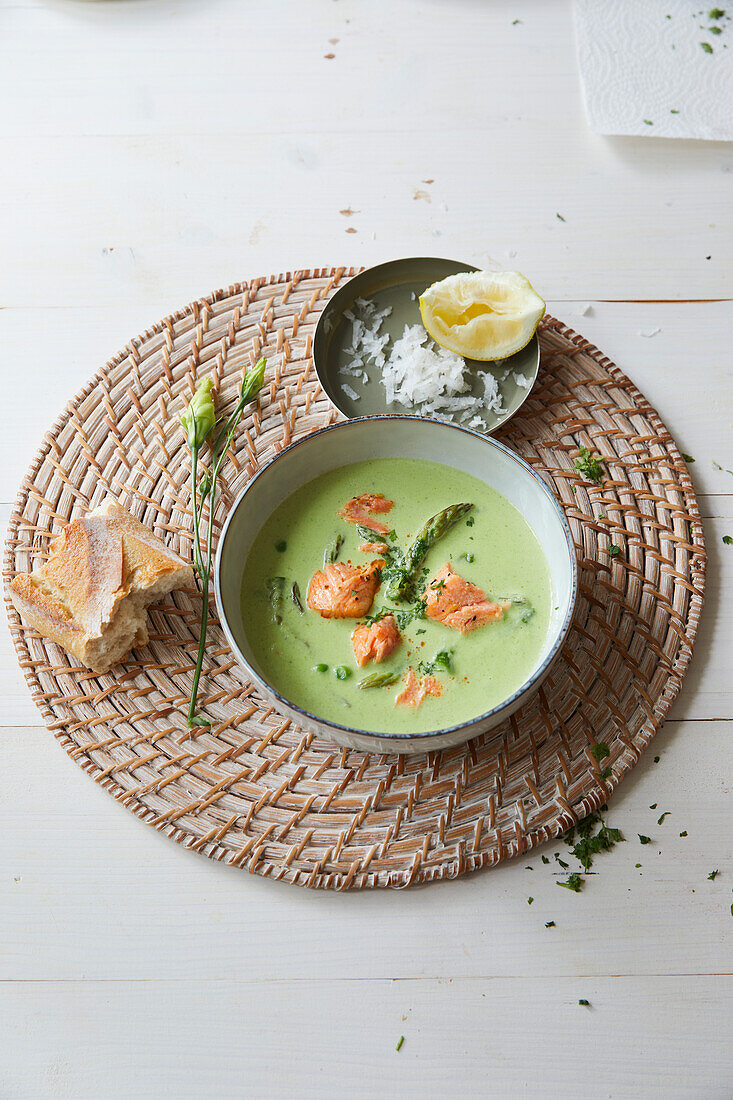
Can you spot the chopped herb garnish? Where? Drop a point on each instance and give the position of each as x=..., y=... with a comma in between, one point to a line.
x=707, y=47
x=716, y=13
x=281, y=546
x=562, y=862
x=549, y=924
x=400, y=1041
x=601, y=751
x=648, y=122
x=545, y=859
x=295, y=596
x=637, y=865
x=588, y=845
x=469, y=558
x=441, y=660
x=728, y=540
x=713, y=874
x=613, y=550
x=320, y=668
x=688, y=458
x=644, y=839
x=656, y=759
x=715, y=30
x=530, y=900
x=673, y=112
x=560, y=217
x=341, y=672
x=582, y=1001
x=653, y=806
x=470, y=521
x=661, y=819
x=589, y=465
x=606, y=773
x=574, y=883
x=684, y=833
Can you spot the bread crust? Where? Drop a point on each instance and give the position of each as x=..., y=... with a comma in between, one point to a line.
x=92, y=594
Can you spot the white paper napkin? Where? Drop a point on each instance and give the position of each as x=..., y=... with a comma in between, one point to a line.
x=645, y=71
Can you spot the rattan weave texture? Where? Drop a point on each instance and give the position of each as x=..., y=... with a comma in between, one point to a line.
x=257, y=792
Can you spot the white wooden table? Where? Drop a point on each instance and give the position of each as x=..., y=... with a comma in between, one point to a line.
x=152, y=150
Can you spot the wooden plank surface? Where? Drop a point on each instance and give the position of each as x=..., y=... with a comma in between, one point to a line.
x=153, y=151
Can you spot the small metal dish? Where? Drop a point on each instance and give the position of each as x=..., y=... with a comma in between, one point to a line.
x=398, y=284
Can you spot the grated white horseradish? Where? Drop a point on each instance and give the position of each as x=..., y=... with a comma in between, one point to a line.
x=416, y=372
x=521, y=379
x=352, y=394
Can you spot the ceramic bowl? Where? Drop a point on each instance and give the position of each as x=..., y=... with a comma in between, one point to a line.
x=408, y=437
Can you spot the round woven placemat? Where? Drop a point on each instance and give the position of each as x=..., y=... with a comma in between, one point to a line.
x=257, y=792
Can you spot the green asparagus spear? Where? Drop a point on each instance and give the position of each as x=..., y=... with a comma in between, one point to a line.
x=333, y=550
x=295, y=596
x=402, y=586
x=379, y=679
x=275, y=593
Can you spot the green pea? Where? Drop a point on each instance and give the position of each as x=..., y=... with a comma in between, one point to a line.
x=320, y=668
x=342, y=673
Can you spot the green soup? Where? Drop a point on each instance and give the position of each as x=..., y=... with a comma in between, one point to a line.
x=493, y=547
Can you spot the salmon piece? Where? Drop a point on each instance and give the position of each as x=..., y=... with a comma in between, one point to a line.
x=376, y=641
x=374, y=547
x=455, y=602
x=415, y=690
x=342, y=591
x=358, y=508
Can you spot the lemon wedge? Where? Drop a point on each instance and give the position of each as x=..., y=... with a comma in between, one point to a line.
x=482, y=314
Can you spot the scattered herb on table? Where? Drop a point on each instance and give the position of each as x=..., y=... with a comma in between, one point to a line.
x=728, y=540
x=644, y=839
x=673, y=112
x=648, y=122
x=562, y=862
x=545, y=859
x=606, y=773
x=684, y=833
x=713, y=874
x=590, y=844
x=601, y=751
x=653, y=806
x=530, y=900
x=716, y=13
x=400, y=1041
x=582, y=1001
x=707, y=47
x=574, y=883
x=589, y=465
x=549, y=924
x=688, y=458
x=660, y=820
x=560, y=217
x=656, y=759
x=613, y=550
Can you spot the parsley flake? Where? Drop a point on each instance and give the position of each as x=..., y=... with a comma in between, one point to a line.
x=716, y=13
x=529, y=901
x=648, y=122
x=707, y=47
x=589, y=465
x=613, y=550
x=574, y=883
x=660, y=820
x=653, y=806
x=400, y=1041
x=687, y=458
x=545, y=859
x=582, y=1001
x=644, y=839
x=713, y=874
x=728, y=540
x=601, y=751
x=684, y=833
x=549, y=924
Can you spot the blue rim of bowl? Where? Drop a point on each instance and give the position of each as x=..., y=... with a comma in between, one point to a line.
x=334, y=305
x=428, y=735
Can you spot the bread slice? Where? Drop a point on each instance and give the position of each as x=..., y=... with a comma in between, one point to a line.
x=92, y=594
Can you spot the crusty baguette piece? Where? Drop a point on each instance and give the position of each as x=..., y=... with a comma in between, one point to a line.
x=92, y=594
